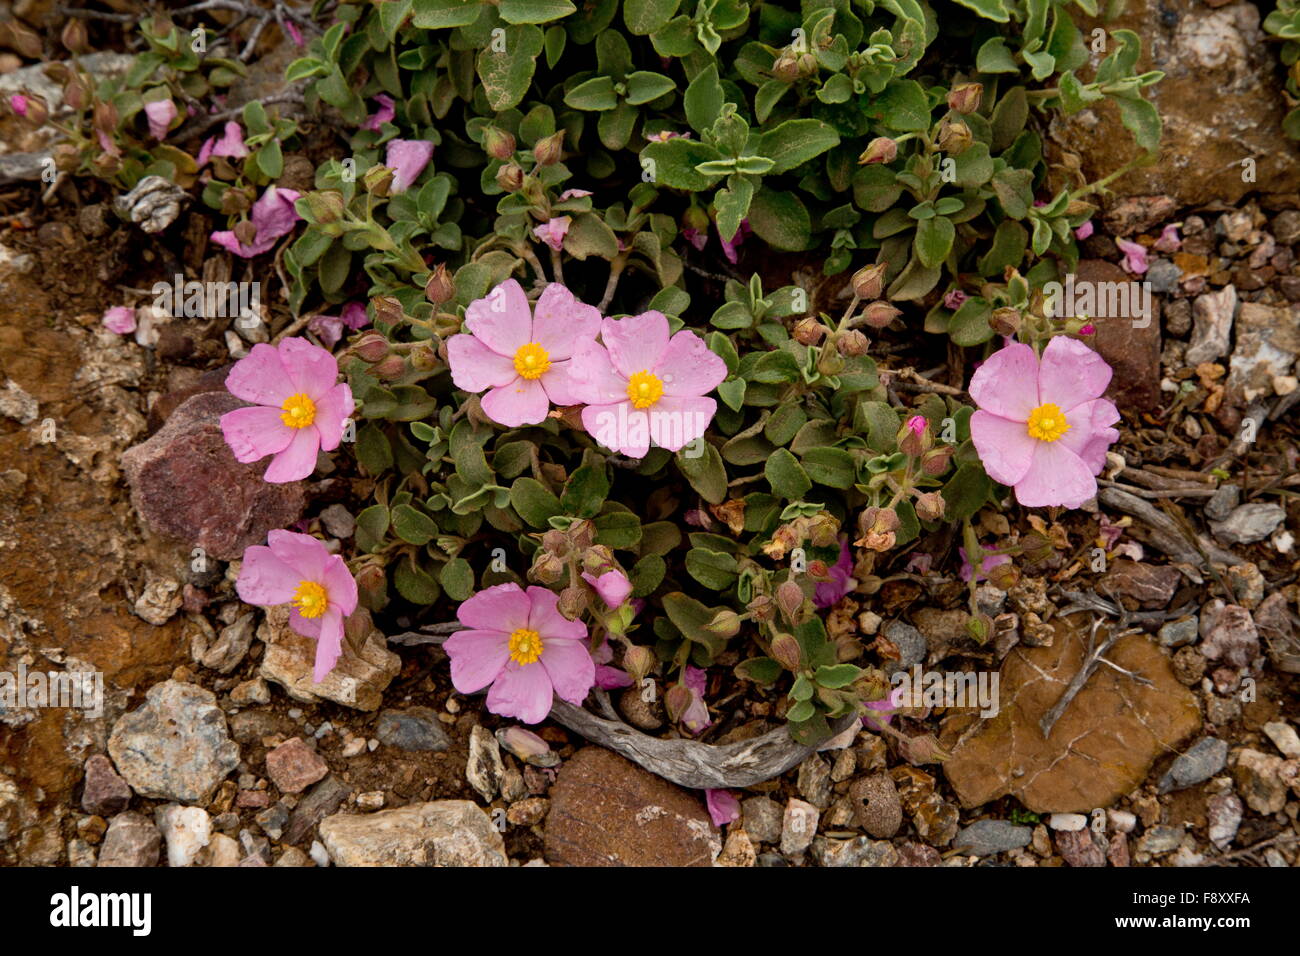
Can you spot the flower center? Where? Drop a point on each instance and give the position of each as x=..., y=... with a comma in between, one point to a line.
x=1047, y=422
x=644, y=389
x=531, y=360
x=299, y=411
x=525, y=646
x=310, y=599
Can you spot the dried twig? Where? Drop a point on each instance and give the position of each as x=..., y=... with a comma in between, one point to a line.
x=1093, y=657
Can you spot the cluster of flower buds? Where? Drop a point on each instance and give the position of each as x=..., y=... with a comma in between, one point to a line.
x=877, y=529
x=790, y=66
x=821, y=529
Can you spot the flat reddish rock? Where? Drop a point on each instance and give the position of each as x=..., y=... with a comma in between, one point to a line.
x=1133, y=352
x=1102, y=746
x=293, y=766
x=186, y=484
x=606, y=811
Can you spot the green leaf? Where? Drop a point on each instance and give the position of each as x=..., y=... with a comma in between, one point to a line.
x=833, y=467
x=902, y=106
x=585, y=491
x=415, y=584
x=706, y=473
x=703, y=99
x=1142, y=120
x=644, y=17
x=535, y=11
x=644, y=86
x=594, y=94
x=372, y=528
x=457, y=579
x=786, y=475
x=647, y=574
x=533, y=502
x=373, y=450
x=692, y=619
x=994, y=57
x=673, y=163
x=413, y=526
x=969, y=325
x=780, y=219
x=441, y=14
x=801, y=711
x=506, y=75
x=760, y=670
x=715, y=570
x=933, y=241
x=618, y=529
x=989, y=9
x=796, y=141
x=965, y=492
x=1009, y=118
x=837, y=675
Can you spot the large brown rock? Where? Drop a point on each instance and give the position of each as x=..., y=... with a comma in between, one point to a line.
x=186, y=484
x=606, y=811
x=1102, y=746
x=1221, y=102
x=1129, y=343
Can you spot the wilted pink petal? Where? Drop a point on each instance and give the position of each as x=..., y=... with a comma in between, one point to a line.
x=1084, y=231
x=1169, y=241
x=954, y=299
x=295, y=34
x=120, y=319
x=18, y=103
x=273, y=216
x=1135, y=256
x=574, y=194
x=407, y=159
x=381, y=115
x=723, y=806
x=160, y=115
x=553, y=231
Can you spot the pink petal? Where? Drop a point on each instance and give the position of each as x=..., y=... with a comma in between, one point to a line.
x=381, y=115
x=302, y=552
x=561, y=386
x=265, y=579
x=120, y=319
x=329, y=646
x=340, y=585
x=328, y=328
x=545, y=618
x=297, y=461
x=1007, y=384
x=675, y=422
x=1057, y=476
x=205, y=151
x=332, y=412
x=354, y=316
x=255, y=432
x=1005, y=447
x=407, y=159
x=260, y=377
x=723, y=806
x=522, y=402
x=612, y=586
x=1071, y=373
x=688, y=368
x=501, y=320
x=475, y=367
x=594, y=378
x=160, y=115
x=636, y=343
x=230, y=242
x=306, y=626
x=522, y=692
x=231, y=143
x=1089, y=435
x=571, y=670
x=477, y=657
x=503, y=607
x=619, y=427
x=273, y=213
x=561, y=322
x=312, y=369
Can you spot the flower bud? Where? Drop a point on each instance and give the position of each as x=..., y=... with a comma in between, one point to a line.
x=527, y=746
x=790, y=599
x=851, y=343
x=582, y=535
x=762, y=608
x=882, y=149
x=510, y=177
x=786, y=68
x=935, y=461
x=922, y=749
x=20, y=37
x=556, y=542
x=35, y=112
x=497, y=143
x=823, y=530
x=808, y=65
x=246, y=232
x=809, y=331
x=786, y=651
x=597, y=559
x=440, y=288
x=372, y=587
x=965, y=97
x=372, y=347
x=880, y=313
x=235, y=201
x=388, y=309
x=1003, y=576
x=378, y=181
x=74, y=36
x=75, y=93
x=725, y=624
x=954, y=137
x=930, y=506
x=914, y=437
x=638, y=661
x=424, y=358
x=676, y=701
x=869, y=281
x=547, y=568
x=573, y=601
x=391, y=368
x=325, y=205
x=1005, y=321
x=550, y=150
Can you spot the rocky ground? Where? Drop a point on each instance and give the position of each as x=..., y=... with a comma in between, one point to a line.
x=122, y=519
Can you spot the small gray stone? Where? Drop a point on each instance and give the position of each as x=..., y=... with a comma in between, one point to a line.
x=1212, y=315
x=322, y=799
x=273, y=820
x=1160, y=840
x=910, y=643
x=986, y=837
x=762, y=819
x=1202, y=761
x=860, y=851
x=1180, y=632
x=231, y=645
x=1223, y=812
x=412, y=729
x=105, y=793
x=814, y=781
x=338, y=521
x=1221, y=503
x=1163, y=276
x=1249, y=523
x=798, y=827
x=484, y=768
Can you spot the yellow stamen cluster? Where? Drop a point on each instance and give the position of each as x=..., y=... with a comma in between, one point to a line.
x=299, y=411
x=531, y=360
x=525, y=646
x=1047, y=422
x=644, y=389
x=310, y=599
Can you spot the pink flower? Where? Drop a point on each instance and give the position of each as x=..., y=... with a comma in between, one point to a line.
x=298, y=408
x=884, y=710
x=729, y=246
x=120, y=319
x=1169, y=241
x=954, y=299
x=612, y=586
x=828, y=593
x=330, y=327
x=640, y=386
x=553, y=231
x=695, y=717
x=1135, y=256
x=160, y=115
x=295, y=34
x=231, y=144
x=407, y=159
x=1042, y=426
x=916, y=425
x=297, y=569
x=574, y=194
x=608, y=678
x=522, y=356
x=696, y=237
x=723, y=806
x=1084, y=231
x=381, y=115
x=987, y=564
x=273, y=217
x=665, y=136
x=18, y=103
x=519, y=643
